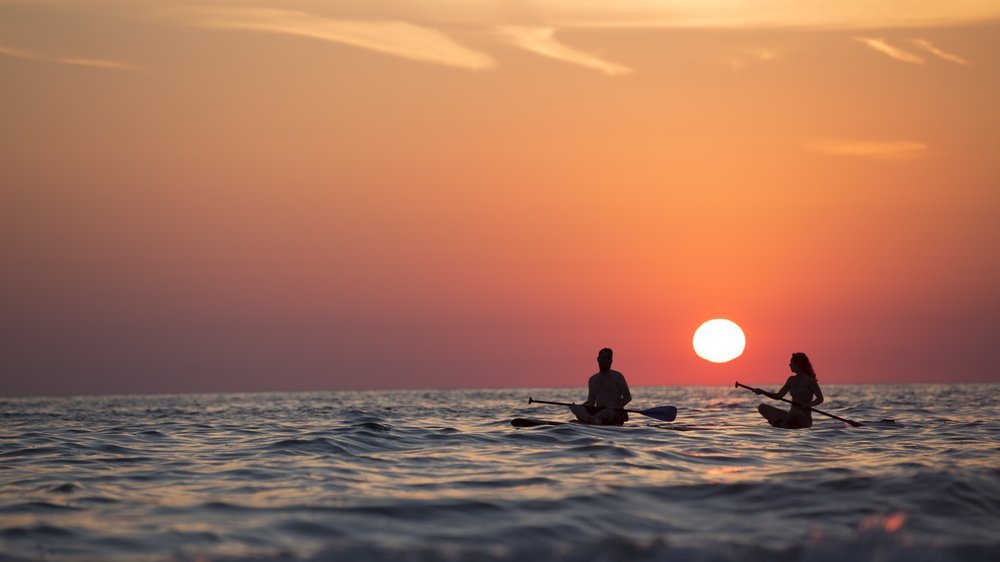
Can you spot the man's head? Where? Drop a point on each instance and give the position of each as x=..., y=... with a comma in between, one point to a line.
x=604, y=358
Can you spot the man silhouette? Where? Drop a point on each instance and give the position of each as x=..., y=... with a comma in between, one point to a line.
x=607, y=394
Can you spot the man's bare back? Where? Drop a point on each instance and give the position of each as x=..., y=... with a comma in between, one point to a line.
x=607, y=394
x=608, y=389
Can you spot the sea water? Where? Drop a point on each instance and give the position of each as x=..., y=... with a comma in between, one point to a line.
x=441, y=475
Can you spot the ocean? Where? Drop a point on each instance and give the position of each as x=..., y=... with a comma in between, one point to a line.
x=441, y=475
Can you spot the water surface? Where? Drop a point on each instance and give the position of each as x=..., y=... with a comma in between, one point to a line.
x=441, y=475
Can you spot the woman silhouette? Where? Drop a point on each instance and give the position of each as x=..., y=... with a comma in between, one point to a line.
x=803, y=386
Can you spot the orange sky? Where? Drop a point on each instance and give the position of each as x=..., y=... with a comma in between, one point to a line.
x=306, y=195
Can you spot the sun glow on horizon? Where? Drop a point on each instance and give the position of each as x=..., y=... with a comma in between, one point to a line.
x=213, y=193
x=719, y=340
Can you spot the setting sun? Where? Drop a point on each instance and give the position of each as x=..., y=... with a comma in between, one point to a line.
x=719, y=341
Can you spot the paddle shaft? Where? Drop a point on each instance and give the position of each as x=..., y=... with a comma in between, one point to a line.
x=662, y=413
x=850, y=422
x=533, y=401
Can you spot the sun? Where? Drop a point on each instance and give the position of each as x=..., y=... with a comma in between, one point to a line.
x=719, y=340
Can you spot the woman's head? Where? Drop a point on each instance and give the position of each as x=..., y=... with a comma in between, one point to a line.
x=800, y=364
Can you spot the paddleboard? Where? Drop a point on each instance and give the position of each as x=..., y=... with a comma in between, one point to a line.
x=528, y=422
x=883, y=423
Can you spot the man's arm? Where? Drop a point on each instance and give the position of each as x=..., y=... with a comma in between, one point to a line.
x=623, y=390
x=591, y=399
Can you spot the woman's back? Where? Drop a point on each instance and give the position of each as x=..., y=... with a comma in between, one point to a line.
x=801, y=389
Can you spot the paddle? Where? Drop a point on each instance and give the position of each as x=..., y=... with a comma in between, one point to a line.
x=662, y=413
x=851, y=422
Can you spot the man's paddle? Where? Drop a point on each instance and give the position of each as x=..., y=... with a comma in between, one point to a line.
x=851, y=422
x=662, y=413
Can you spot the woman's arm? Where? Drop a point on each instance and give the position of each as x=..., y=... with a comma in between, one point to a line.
x=773, y=395
x=780, y=393
x=818, y=393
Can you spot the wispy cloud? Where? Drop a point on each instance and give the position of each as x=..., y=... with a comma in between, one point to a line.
x=879, y=150
x=396, y=38
x=930, y=48
x=76, y=61
x=880, y=45
x=719, y=14
x=749, y=56
x=542, y=41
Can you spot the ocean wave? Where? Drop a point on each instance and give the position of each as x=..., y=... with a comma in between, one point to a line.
x=872, y=545
x=396, y=476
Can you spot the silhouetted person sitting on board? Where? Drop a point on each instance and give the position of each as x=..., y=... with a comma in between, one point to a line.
x=803, y=387
x=607, y=395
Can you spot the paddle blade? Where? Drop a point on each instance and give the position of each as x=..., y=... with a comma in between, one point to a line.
x=662, y=413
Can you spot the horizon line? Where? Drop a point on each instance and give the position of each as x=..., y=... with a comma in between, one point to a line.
x=214, y=392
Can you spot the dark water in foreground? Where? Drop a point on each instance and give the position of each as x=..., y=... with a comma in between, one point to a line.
x=441, y=475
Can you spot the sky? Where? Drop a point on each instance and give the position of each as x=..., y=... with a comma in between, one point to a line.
x=374, y=194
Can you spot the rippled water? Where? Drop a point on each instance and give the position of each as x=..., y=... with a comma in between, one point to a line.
x=441, y=475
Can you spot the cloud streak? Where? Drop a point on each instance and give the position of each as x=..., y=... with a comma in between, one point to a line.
x=542, y=41
x=25, y=54
x=749, y=56
x=878, y=150
x=396, y=38
x=880, y=45
x=725, y=14
x=930, y=48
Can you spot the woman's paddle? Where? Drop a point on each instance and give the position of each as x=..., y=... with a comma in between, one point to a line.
x=851, y=422
x=662, y=413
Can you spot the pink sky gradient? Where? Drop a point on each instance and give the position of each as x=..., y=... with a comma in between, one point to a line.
x=293, y=196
